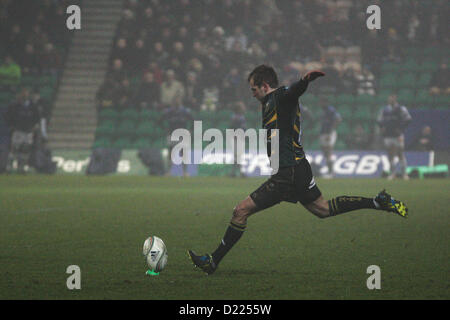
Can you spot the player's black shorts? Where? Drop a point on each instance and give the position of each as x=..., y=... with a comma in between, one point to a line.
x=292, y=184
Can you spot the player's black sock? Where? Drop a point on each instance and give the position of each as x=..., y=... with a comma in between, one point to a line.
x=344, y=204
x=232, y=235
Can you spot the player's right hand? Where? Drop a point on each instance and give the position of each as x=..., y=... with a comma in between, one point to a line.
x=313, y=75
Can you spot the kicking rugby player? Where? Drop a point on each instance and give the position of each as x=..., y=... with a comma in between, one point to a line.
x=294, y=181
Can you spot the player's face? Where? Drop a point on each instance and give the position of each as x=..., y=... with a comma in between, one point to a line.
x=258, y=92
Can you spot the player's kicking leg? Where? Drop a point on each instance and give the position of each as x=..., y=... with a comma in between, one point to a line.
x=383, y=201
x=209, y=262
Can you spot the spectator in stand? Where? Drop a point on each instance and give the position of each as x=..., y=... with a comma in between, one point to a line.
x=178, y=61
x=358, y=139
x=124, y=94
x=38, y=37
x=15, y=40
x=121, y=51
x=171, y=89
x=148, y=22
x=217, y=41
x=28, y=60
x=156, y=71
x=159, y=55
x=230, y=86
x=440, y=82
x=138, y=56
x=424, y=141
x=273, y=53
x=50, y=60
x=256, y=51
x=106, y=95
x=10, y=72
x=183, y=35
x=117, y=73
x=166, y=37
x=127, y=26
x=148, y=93
x=193, y=91
x=238, y=36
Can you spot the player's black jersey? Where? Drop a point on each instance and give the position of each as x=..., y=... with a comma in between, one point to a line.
x=281, y=110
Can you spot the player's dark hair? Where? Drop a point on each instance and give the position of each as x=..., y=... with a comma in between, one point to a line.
x=264, y=73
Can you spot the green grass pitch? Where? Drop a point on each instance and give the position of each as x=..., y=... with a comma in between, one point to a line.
x=48, y=223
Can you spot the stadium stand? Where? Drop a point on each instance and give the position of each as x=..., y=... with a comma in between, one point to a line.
x=209, y=39
x=209, y=47
x=32, y=49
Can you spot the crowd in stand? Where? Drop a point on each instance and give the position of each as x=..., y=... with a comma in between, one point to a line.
x=202, y=50
x=31, y=41
x=198, y=53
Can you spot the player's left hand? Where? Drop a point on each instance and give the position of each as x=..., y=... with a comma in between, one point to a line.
x=313, y=75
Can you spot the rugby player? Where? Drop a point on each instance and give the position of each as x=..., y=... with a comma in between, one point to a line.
x=393, y=120
x=293, y=181
x=330, y=120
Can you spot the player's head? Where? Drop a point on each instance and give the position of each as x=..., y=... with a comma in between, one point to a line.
x=263, y=79
x=392, y=100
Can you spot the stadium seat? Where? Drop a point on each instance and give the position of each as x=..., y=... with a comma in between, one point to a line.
x=365, y=99
x=363, y=112
x=28, y=80
x=423, y=80
x=122, y=143
x=340, y=143
x=431, y=53
x=106, y=128
x=145, y=129
x=102, y=143
x=126, y=128
x=423, y=99
x=159, y=143
x=130, y=114
x=414, y=53
x=147, y=114
x=440, y=101
x=345, y=111
x=344, y=128
x=382, y=97
x=224, y=115
x=46, y=92
x=141, y=143
x=429, y=66
x=6, y=98
x=108, y=113
x=388, y=80
x=309, y=100
x=410, y=65
x=407, y=80
x=390, y=67
x=406, y=96
x=344, y=98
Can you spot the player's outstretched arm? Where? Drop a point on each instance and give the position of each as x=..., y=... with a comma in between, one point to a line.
x=313, y=75
x=296, y=89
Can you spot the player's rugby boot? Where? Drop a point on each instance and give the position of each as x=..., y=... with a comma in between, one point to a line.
x=388, y=203
x=205, y=262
